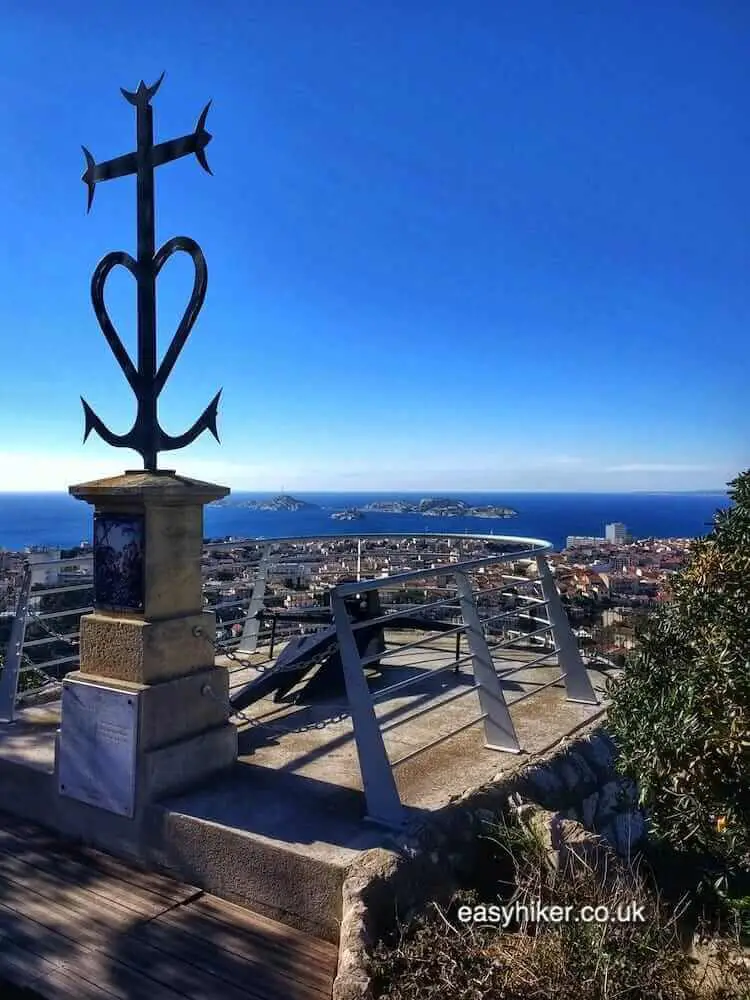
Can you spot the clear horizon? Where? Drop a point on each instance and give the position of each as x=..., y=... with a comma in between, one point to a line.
x=478, y=244
x=447, y=491
x=50, y=474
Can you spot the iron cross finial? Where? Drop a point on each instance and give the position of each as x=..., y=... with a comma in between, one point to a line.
x=147, y=380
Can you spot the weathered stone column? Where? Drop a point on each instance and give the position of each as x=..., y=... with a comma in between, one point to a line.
x=145, y=716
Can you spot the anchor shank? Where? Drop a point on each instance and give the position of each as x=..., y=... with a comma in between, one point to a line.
x=146, y=422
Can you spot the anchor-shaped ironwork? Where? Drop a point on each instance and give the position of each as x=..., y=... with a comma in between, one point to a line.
x=147, y=381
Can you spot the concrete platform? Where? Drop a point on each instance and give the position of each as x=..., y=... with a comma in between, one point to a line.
x=278, y=832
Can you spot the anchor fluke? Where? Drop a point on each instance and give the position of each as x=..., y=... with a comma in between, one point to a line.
x=93, y=423
x=89, y=417
x=205, y=422
x=211, y=414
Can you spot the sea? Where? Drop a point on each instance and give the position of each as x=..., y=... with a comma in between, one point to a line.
x=56, y=519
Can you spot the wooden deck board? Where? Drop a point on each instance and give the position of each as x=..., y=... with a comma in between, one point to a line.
x=150, y=944
x=62, y=873
x=240, y=962
x=151, y=882
x=92, y=933
x=35, y=973
x=73, y=929
x=299, y=959
x=68, y=955
x=229, y=913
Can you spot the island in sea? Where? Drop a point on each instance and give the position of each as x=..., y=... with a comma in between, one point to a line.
x=427, y=507
x=350, y=514
x=439, y=507
x=280, y=503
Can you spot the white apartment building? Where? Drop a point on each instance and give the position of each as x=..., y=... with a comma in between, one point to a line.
x=581, y=541
x=615, y=532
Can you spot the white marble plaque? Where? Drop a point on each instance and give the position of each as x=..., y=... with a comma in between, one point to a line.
x=97, y=746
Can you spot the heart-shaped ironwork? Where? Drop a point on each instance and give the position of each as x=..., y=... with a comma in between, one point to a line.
x=145, y=378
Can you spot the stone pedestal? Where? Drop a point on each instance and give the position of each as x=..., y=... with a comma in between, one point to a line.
x=146, y=715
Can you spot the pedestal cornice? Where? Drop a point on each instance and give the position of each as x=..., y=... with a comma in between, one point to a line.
x=159, y=488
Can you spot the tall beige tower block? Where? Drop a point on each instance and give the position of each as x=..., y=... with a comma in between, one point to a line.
x=146, y=715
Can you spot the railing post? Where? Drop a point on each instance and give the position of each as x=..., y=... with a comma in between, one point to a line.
x=274, y=621
x=249, y=639
x=381, y=794
x=14, y=652
x=578, y=686
x=458, y=652
x=499, y=732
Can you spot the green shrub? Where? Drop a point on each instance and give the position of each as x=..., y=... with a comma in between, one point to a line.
x=680, y=714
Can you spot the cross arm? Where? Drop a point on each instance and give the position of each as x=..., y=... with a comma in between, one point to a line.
x=174, y=149
x=196, y=143
x=121, y=166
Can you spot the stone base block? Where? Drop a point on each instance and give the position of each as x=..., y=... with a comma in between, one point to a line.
x=174, y=709
x=122, y=746
x=179, y=709
x=130, y=649
x=190, y=762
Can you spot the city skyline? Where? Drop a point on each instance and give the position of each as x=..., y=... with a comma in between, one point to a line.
x=448, y=249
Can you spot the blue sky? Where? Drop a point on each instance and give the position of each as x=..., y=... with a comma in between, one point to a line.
x=483, y=245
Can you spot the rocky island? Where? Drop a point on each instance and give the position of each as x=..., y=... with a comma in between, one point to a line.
x=350, y=514
x=439, y=507
x=279, y=503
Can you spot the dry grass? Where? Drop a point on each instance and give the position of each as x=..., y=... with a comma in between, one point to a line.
x=436, y=956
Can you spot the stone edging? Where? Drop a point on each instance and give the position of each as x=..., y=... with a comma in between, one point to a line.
x=577, y=782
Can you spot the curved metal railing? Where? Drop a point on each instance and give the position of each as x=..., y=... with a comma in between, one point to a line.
x=44, y=646
x=490, y=623
x=42, y=630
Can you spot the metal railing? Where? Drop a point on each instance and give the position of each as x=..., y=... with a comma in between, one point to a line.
x=26, y=670
x=258, y=626
x=492, y=622
x=381, y=792
x=531, y=599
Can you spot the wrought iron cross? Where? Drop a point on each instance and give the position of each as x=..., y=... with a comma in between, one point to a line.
x=147, y=381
